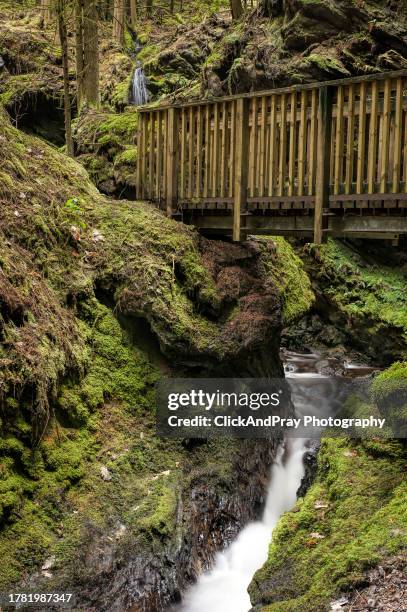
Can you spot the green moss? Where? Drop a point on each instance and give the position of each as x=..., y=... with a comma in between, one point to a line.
x=128, y=156
x=288, y=273
x=391, y=384
x=148, y=53
x=106, y=146
x=353, y=514
x=369, y=295
x=159, y=508
x=120, y=95
x=327, y=63
x=389, y=392
x=115, y=372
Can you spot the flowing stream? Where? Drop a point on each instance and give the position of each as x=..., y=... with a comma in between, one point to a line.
x=224, y=587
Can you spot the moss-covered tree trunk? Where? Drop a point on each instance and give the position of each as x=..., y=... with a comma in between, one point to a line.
x=63, y=37
x=118, y=21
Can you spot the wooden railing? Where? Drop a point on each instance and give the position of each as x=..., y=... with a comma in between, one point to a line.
x=318, y=145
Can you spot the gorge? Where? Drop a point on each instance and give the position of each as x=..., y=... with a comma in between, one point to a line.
x=102, y=295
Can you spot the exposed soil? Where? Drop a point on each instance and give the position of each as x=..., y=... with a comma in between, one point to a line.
x=386, y=589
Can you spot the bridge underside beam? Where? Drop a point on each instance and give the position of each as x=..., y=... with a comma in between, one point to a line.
x=389, y=228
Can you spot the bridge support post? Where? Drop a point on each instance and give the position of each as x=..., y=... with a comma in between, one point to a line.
x=241, y=165
x=172, y=161
x=323, y=164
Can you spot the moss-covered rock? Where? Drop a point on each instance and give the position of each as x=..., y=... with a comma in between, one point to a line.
x=360, y=301
x=293, y=282
x=105, y=145
x=389, y=392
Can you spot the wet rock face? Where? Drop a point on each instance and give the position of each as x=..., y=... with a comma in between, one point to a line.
x=212, y=509
x=310, y=464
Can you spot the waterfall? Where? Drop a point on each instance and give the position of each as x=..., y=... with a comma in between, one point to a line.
x=224, y=587
x=139, y=86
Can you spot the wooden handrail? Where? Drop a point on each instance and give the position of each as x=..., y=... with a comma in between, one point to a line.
x=367, y=78
x=296, y=148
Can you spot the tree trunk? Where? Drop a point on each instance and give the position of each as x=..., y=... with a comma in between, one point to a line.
x=171, y=6
x=271, y=8
x=236, y=8
x=79, y=51
x=118, y=21
x=63, y=37
x=90, y=53
x=133, y=12
x=46, y=12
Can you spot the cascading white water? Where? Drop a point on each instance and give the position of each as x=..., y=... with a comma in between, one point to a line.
x=224, y=587
x=139, y=86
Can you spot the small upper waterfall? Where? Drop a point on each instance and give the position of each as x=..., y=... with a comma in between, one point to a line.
x=139, y=86
x=139, y=91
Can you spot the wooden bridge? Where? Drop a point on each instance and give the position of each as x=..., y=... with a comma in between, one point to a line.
x=314, y=160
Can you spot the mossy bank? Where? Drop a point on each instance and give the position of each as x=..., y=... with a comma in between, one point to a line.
x=98, y=300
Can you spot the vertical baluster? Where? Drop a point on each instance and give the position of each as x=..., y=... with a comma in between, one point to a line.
x=405, y=150
x=372, y=149
x=263, y=137
x=232, y=148
x=398, y=126
x=361, y=138
x=253, y=147
x=339, y=140
x=207, y=171
x=138, y=162
x=293, y=143
x=191, y=152
x=273, y=146
x=199, y=145
x=313, y=143
x=350, y=140
x=144, y=159
x=151, y=155
x=172, y=160
x=385, y=137
x=283, y=145
x=215, y=145
x=223, y=167
x=165, y=156
x=183, y=153
x=158, y=157
x=302, y=143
